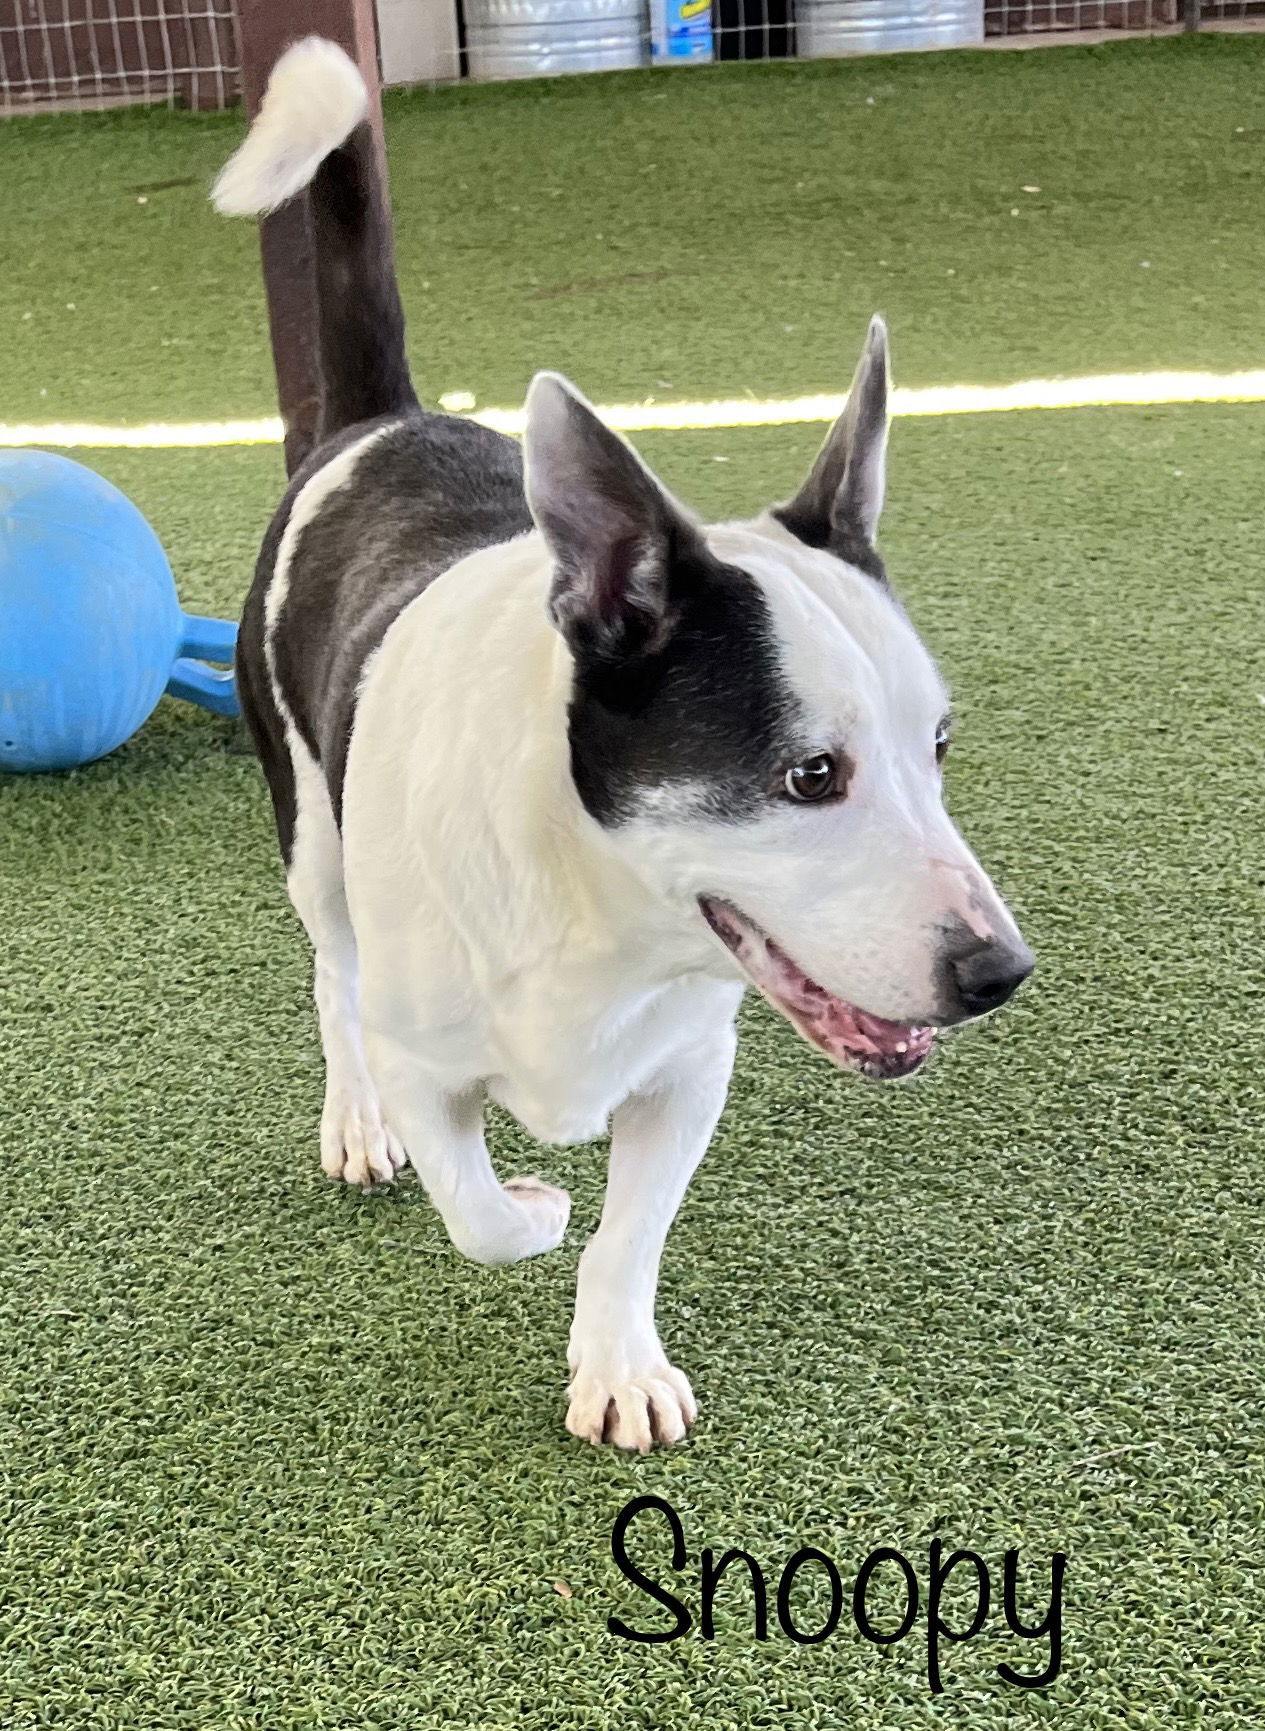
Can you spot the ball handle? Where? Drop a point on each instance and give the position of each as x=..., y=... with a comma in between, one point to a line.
x=203, y=640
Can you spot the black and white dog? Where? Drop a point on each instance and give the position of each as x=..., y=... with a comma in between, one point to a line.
x=559, y=771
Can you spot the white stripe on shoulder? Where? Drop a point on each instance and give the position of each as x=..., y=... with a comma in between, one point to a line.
x=312, y=497
x=327, y=481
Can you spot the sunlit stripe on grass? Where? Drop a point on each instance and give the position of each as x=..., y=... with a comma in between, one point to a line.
x=1105, y=390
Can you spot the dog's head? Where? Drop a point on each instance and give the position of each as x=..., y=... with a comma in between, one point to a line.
x=759, y=731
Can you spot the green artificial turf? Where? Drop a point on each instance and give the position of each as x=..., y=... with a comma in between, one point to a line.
x=273, y=1456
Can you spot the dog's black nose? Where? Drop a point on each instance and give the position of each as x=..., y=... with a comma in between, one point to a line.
x=983, y=974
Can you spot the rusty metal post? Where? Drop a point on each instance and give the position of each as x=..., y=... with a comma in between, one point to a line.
x=267, y=28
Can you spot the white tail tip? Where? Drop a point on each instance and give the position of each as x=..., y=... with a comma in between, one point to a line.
x=315, y=97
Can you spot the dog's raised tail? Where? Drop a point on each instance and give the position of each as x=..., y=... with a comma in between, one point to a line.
x=314, y=100
x=311, y=132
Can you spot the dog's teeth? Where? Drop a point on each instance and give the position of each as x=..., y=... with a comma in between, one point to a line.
x=902, y=1045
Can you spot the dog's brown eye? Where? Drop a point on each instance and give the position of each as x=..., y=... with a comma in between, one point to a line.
x=813, y=779
x=942, y=740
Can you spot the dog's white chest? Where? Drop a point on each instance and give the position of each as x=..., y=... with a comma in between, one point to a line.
x=563, y=1073
x=496, y=943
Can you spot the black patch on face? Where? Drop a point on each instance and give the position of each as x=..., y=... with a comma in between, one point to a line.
x=710, y=706
x=840, y=536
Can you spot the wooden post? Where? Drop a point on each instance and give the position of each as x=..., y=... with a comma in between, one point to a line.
x=267, y=28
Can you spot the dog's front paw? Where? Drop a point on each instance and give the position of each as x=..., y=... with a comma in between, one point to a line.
x=633, y=1408
x=548, y=1208
x=534, y=1221
x=356, y=1144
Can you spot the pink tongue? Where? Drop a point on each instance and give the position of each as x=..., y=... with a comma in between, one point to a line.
x=834, y=1024
x=839, y=1028
x=842, y=1026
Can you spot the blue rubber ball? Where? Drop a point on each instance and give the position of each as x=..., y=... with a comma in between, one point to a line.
x=89, y=618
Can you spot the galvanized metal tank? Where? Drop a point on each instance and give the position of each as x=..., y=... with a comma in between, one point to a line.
x=825, y=28
x=536, y=38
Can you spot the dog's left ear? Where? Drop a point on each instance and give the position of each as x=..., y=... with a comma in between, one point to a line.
x=617, y=535
x=838, y=506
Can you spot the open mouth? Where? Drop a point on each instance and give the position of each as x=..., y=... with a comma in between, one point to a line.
x=852, y=1037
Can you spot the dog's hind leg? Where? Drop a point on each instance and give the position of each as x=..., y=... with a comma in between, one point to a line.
x=623, y=1388
x=356, y=1143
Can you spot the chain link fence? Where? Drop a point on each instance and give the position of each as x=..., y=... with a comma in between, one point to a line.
x=86, y=54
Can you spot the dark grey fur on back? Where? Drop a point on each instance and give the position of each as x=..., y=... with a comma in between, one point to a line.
x=426, y=494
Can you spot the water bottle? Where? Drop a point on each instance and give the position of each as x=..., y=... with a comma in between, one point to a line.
x=680, y=32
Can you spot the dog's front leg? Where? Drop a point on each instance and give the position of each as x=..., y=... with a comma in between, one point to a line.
x=443, y=1132
x=623, y=1388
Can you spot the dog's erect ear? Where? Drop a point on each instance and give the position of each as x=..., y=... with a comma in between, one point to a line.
x=839, y=504
x=614, y=531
